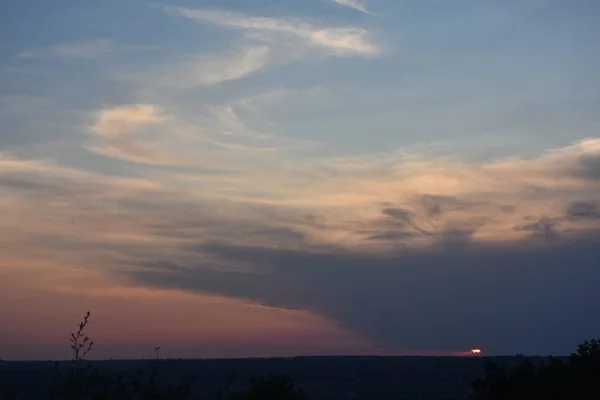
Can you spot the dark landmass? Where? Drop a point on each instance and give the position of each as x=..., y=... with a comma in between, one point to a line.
x=323, y=377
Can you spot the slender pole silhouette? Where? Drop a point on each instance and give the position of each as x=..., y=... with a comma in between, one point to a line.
x=157, y=349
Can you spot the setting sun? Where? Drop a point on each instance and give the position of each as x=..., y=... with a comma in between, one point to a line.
x=476, y=351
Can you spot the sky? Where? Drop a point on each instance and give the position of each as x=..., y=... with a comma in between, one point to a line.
x=256, y=178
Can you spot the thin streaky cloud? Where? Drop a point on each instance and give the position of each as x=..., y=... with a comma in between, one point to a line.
x=149, y=134
x=355, y=4
x=120, y=128
x=340, y=40
x=213, y=71
x=84, y=49
x=199, y=70
x=26, y=54
x=126, y=119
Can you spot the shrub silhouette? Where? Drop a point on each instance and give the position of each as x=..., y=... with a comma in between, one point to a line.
x=80, y=342
x=274, y=388
x=82, y=381
x=78, y=383
x=576, y=379
x=12, y=391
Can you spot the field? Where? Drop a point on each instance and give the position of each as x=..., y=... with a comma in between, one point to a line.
x=323, y=377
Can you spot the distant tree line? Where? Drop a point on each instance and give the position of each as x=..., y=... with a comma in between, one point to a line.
x=578, y=378
x=82, y=381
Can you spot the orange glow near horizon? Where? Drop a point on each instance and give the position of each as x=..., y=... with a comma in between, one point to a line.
x=476, y=352
x=127, y=320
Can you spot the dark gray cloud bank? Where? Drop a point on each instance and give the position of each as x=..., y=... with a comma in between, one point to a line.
x=535, y=297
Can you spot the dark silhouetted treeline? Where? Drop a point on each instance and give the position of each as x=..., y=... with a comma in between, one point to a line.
x=574, y=378
x=82, y=381
x=578, y=378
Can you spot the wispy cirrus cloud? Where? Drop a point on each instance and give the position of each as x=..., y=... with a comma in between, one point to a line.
x=127, y=119
x=343, y=41
x=409, y=199
x=191, y=72
x=355, y=4
x=121, y=128
x=268, y=43
x=209, y=137
x=85, y=49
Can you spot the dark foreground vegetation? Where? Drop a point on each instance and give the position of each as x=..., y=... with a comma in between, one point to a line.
x=575, y=378
x=578, y=378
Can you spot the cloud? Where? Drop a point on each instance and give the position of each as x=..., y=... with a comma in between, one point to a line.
x=215, y=71
x=582, y=210
x=200, y=70
x=427, y=244
x=27, y=54
x=544, y=228
x=588, y=165
x=403, y=226
x=502, y=298
x=355, y=4
x=580, y=160
x=120, y=127
x=436, y=206
x=344, y=41
x=223, y=137
x=44, y=174
x=267, y=43
x=126, y=119
x=403, y=219
x=85, y=49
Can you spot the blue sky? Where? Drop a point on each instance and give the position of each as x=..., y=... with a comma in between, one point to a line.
x=171, y=137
